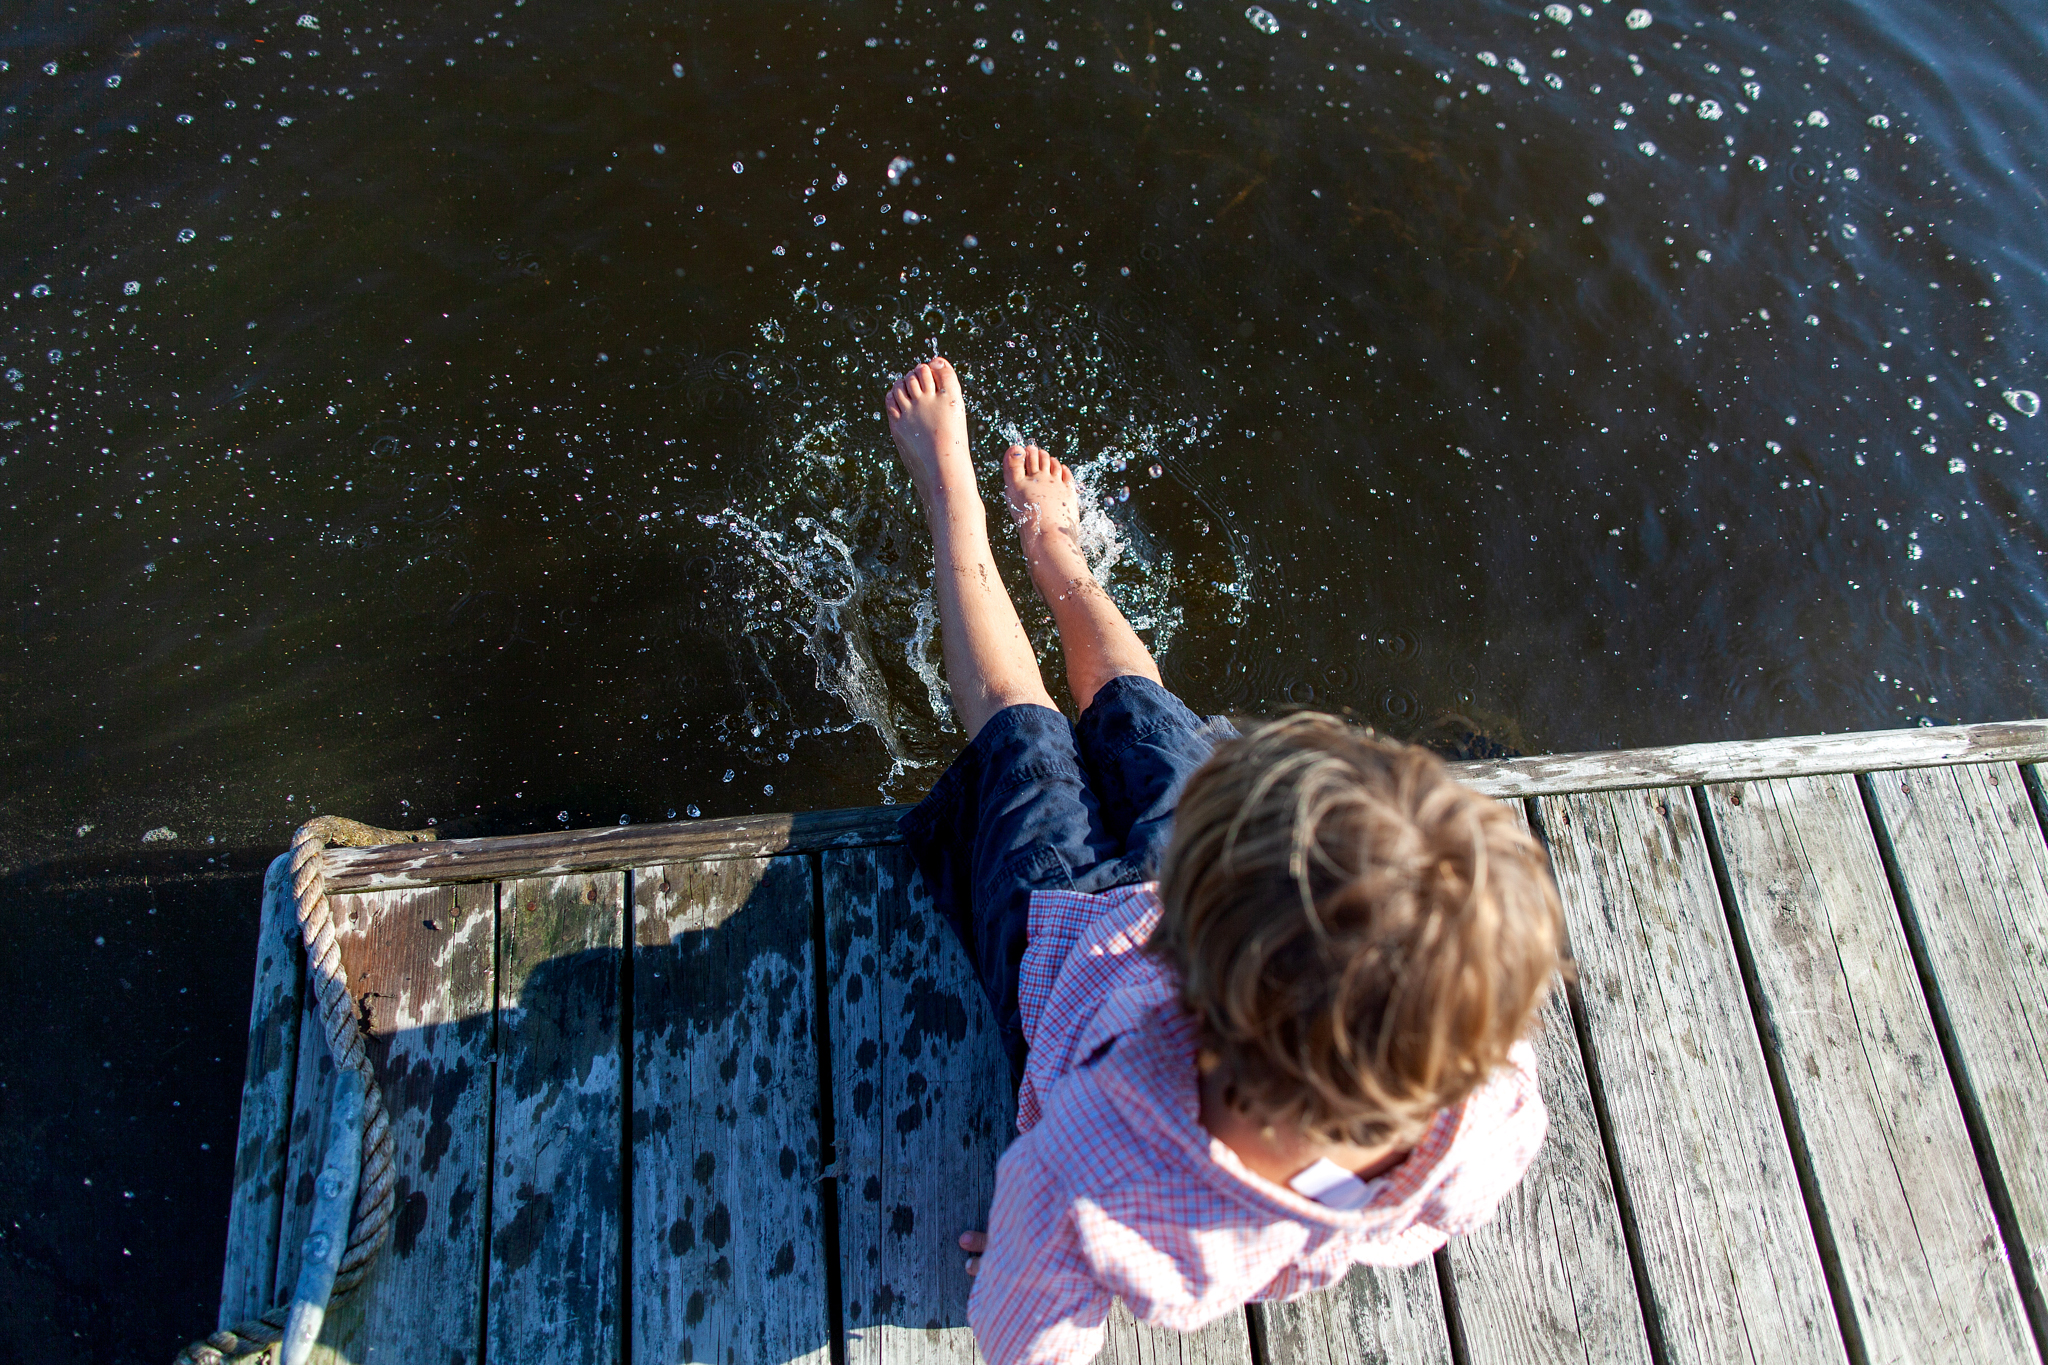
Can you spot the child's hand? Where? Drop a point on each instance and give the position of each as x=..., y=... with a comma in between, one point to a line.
x=974, y=1244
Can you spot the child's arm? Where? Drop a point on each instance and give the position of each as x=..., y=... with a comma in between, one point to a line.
x=1034, y=1301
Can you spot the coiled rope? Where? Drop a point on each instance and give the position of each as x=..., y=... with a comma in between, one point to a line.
x=370, y=1216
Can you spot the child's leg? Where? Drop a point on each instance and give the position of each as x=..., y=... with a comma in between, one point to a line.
x=1098, y=643
x=989, y=663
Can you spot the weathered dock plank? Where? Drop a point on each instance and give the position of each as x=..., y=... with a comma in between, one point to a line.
x=1375, y=1317
x=1226, y=1341
x=1971, y=870
x=728, y=1234
x=1728, y=1252
x=1757, y=759
x=1882, y=1136
x=256, y=1209
x=421, y=964
x=554, y=1277
x=556, y=852
x=921, y=1110
x=1549, y=1280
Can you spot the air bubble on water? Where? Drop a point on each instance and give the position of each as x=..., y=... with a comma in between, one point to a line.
x=897, y=166
x=1016, y=35
x=1710, y=110
x=671, y=814
x=839, y=183
x=1880, y=121
x=818, y=221
x=625, y=819
x=1956, y=466
x=739, y=168
x=1194, y=73
x=692, y=811
x=56, y=357
x=1817, y=119
x=560, y=815
x=1261, y=19
x=1596, y=198
x=186, y=234
x=1647, y=148
x=1560, y=13
x=40, y=291
x=1704, y=254
x=49, y=68
x=729, y=775
x=1488, y=59
x=1757, y=163
x=114, y=81
x=2025, y=402
x=184, y=118
x=308, y=21
x=1638, y=18
x=1154, y=471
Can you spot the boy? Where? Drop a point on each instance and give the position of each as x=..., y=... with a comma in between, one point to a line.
x=1300, y=1049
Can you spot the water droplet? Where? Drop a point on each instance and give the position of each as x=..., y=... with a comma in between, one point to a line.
x=729, y=775
x=1194, y=73
x=2025, y=402
x=563, y=816
x=113, y=82
x=1757, y=163
x=1817, y=119
x=186, y=234
x=1704, y=254
x=308, y=21
x=1155, y=471
x=1647, y=148
x=56, y=357
x=1016, y=35
x=1638, y=18
x=970, y=240
x=1880, y=121
x=132, y=287
x=40, y=291
x=912, y=216
x=1262, y=19
x=49, y=68
x=676, y=70
x=692, y=811
x=659, y=149
x=897, y=167
x=739, y=168
x=988, y=66
x=1596, y=198
x=1560, y=13
x=1710, y=110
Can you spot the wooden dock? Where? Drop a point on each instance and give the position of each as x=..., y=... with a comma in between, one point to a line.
x=725, y=1091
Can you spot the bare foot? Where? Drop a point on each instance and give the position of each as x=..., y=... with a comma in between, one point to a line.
x=929, y=425
x=1045, y=504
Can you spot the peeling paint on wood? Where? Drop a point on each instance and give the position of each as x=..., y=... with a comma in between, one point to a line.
x=419, y=966
x=728, y=1232
x=555, y=1179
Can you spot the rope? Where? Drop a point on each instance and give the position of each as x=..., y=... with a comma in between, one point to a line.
x=370, y=1220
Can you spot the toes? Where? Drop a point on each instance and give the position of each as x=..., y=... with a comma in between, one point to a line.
x=1062, y=473
x=1015, y=463
x=941, y=372
x=921, y=379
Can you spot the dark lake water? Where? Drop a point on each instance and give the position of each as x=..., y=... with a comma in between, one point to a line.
x=471, y=413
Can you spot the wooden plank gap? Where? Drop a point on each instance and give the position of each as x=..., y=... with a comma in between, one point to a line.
x=1454, y=1321
x=828, y=1143
x=1255, y=1336
x=2003, y=1208
x=2030, y=775
x=1774, y=1067
x=1603, y=1116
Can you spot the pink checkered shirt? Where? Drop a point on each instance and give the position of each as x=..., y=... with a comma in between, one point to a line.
x=1114, y=1188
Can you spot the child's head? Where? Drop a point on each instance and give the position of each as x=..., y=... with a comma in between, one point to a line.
x=1361, y=938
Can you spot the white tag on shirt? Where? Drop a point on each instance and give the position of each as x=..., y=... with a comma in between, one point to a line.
x=1332, y=1186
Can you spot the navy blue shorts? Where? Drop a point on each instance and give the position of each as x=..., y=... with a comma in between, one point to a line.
x=1037, y=803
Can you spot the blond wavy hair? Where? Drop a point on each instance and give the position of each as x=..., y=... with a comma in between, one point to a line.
x=1360, y=938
